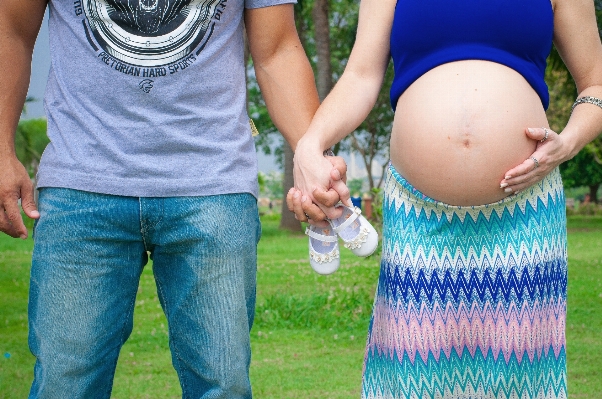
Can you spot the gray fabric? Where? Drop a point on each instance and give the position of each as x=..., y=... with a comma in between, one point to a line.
x=147, y=98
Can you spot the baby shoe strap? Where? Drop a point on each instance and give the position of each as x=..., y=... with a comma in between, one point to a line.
x=319, y=236
x=356, y=213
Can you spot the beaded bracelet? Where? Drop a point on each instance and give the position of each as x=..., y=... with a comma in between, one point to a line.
x=587, y=99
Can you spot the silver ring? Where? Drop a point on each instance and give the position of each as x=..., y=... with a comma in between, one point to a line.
x=546, y=136
x=536, y=162
x=306, y=215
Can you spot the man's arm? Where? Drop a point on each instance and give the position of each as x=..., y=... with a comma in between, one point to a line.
x=288, y=88
x=282, y=69
x=20, y=21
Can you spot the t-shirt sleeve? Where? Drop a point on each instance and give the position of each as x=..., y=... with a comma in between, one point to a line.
x=266, y=3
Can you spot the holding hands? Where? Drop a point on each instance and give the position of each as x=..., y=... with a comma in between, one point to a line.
x=319, y=187
x=319, y=184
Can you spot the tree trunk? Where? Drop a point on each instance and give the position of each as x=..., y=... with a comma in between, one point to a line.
x=593, y=193
x=322, y=36
x=288, y=221
x=366, y=158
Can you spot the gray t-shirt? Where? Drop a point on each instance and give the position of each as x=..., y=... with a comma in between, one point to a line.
x=148, y=98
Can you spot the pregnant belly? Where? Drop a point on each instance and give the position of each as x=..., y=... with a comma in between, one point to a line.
x=460, y=127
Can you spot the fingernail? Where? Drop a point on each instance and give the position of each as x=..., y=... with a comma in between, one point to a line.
x=24, y=236
x=530, y=130
x=507, y=177
x=337, y=174
x=508, y=190
x=296, y=195
x=304, y=198
x=503, y=185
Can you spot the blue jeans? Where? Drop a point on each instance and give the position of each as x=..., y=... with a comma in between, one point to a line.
x=89, y=252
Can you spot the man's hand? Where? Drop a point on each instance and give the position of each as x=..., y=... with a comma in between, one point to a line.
x=338, y=189
x=15, y=184
x=316, y=212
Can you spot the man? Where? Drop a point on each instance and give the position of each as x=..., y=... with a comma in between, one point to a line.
x=151, y=153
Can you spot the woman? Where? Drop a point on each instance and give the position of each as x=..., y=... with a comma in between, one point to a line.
x=471, y=299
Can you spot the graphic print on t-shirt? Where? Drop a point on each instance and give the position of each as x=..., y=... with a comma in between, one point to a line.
x=150, y=38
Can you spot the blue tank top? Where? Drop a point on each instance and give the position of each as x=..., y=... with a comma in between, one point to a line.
x=514, y=33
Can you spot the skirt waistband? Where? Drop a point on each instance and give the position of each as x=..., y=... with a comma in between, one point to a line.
x=397, y=189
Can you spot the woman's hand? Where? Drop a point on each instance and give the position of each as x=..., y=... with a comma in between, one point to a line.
x=319, y=184
x=307, y=211
x=550, y=152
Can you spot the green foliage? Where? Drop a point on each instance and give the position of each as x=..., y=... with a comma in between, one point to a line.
x=377, y=207
x=261, y=181
x=355, y=186
x=589, y=209
x=30, y=142
x=582, y=170
x=270, y=185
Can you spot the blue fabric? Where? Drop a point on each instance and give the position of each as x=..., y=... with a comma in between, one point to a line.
x=471, y=300
x=90, y=250
x=429, y=33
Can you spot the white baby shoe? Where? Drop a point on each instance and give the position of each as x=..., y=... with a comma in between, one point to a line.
x=323, y=249
x=357, y=233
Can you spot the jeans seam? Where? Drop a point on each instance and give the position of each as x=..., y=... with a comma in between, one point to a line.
x=142, y=230
x=175, y=349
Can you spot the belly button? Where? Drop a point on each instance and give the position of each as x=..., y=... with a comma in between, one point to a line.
x=466, y=143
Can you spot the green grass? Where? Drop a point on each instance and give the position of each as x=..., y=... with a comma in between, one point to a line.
x=309, y=336
x=584, y=315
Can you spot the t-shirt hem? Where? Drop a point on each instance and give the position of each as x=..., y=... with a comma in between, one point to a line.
x=263, y=4
x=157, y=188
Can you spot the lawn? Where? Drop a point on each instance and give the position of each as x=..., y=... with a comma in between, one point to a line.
x=309, y=336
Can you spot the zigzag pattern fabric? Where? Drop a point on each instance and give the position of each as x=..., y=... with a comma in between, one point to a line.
x=471, y=301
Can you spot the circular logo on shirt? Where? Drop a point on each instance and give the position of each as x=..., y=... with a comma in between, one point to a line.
x=149, y=33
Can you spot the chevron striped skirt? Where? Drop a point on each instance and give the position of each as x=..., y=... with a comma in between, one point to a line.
x=471, y=301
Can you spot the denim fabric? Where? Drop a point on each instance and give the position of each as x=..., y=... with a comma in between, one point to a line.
x=89, y=252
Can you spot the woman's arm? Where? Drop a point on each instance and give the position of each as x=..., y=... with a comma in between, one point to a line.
x=351, y=99
x=577, y=39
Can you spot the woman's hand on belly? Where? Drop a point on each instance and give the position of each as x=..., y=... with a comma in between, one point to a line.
x=550, y=152
x=460, y=127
